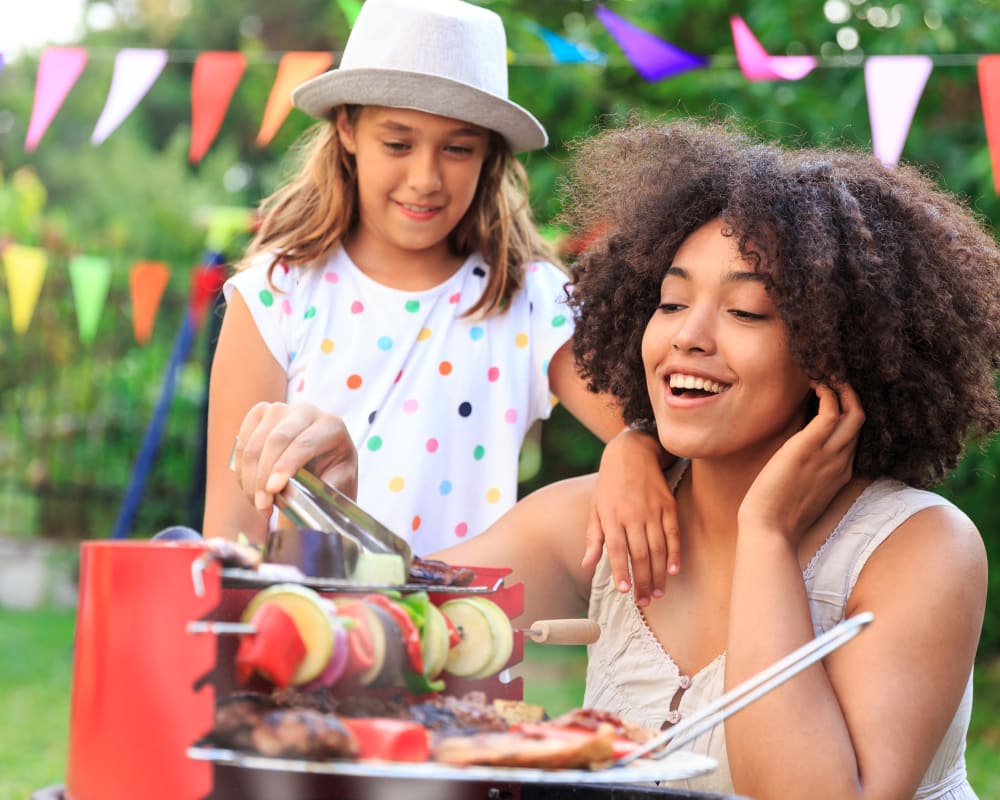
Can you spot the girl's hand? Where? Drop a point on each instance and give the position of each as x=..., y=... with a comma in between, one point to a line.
x=633, y=512
x=808, y=470
x=277, y=439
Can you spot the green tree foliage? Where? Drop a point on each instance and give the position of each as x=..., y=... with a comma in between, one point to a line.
x=72, y=416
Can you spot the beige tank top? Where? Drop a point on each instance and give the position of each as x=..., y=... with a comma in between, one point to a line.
x=630, y=673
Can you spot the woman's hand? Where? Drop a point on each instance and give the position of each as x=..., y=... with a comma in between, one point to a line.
x=277, y=439
x=808, y=470
x=633, y=512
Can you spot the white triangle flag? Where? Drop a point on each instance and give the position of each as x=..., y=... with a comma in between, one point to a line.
x=893, y=85
x=135, y=72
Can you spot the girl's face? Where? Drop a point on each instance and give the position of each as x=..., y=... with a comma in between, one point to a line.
x=720, y=374
x=417, y=175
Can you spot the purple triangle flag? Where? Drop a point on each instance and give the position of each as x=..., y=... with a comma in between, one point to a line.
x=653, y=58
x=58, y=70
x=893, y=85
x=135, y=72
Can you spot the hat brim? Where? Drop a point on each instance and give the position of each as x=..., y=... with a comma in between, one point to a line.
x=420, y=92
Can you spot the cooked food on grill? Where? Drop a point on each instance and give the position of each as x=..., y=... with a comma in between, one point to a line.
x=375, y=641
x=541, y=745
x=303, y=733
x=437, y=573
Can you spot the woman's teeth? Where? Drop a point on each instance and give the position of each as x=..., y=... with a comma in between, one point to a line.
x=678, y=381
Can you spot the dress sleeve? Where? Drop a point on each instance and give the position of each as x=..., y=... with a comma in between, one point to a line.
x=551, y=327
x=270, y=303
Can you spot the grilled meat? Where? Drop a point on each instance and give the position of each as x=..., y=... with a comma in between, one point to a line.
x=592, y=719
x=541, y=746
x=236, y=716
x=437, y=573
x=303, y=733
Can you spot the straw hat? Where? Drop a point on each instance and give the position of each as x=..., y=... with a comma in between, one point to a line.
x=445, y=57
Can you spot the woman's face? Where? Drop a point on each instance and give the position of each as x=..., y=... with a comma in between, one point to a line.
x=720, y=374
x=417, y=175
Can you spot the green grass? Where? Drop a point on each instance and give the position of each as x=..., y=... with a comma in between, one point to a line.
x=36, y=671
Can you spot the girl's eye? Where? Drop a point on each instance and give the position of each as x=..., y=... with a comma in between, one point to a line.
x=747, y=315
x=396, y=147
x=460, y=149
x=670, y=308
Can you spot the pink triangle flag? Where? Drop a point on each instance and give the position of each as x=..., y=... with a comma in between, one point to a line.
x=58, y=69
x=893, y=85
x=135, y=72
x=25, y=269
x=757, y=65
x=90, y=278
x=216, y=76
x=653, y=58
x=989, y=94
x=293, y=69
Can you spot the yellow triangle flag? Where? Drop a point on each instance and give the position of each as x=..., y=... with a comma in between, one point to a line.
x=90, y=277
x=25, y=269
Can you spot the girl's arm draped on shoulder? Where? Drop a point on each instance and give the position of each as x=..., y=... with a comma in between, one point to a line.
x=244, y=373
x=540, y=539
x=867, y=722
x=632, y=510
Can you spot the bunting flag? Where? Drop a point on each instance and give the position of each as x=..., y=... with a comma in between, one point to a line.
x=293, y=69
x=135, y=72
x=147, y=280
x=58, y=69
x=653, y=58
x=989, y=92
x=225, y=223
x=564, y=51
x=25, y=269
x=893, y=85
x=351, y=9
x=206, y=284
x=90, y=279
x=216, y=76
x=757, y=65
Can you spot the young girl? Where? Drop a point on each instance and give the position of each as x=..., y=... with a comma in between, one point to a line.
x=397, y=291
x=815, y=335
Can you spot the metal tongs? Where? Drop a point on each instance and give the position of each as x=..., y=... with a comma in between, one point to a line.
x=311, y=503
x=751, y=689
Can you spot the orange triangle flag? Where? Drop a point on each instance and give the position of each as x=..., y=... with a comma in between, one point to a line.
x=293, y=69
x=216, y=76
x=989, y=93
x=146, y=282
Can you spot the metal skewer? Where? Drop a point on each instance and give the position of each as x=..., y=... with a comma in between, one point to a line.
x=751, y=689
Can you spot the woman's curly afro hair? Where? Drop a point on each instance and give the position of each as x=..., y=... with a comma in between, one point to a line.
x=882, y=278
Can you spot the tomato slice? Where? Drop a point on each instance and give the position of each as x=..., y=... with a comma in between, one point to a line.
x=275, y=650
x=388, y=739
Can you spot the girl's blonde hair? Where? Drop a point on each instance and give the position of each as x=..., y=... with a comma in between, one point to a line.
x=317, y=207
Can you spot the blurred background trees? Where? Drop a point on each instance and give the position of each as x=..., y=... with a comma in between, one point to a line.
x=73, y=415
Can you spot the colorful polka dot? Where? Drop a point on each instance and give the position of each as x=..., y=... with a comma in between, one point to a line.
x=478, y=452
x=461, y=530
x=558, y=320
x=476, y=333
x=398, y=376
x=412, y=306
x=331, y=277
x=445, y=487
x=266, y=298
x=326, y=346
x=357, y=307
x=415, y=523
x=384, y=342
x=465, y=409
x=455, y=298
x=532, y=267
x=424, y=335
x=521, y=340
x=493, y=373
x=410, y=405
x=374, y=443
x=371, y=417
x=445, y=368
x=432, y=445
x=301, y=386
x=311, y=312
x=479, y=272
x=354, y=381
x=493, y=495
x=510, y=415
x=286, y=306
x=545, y=367
x=396, y=484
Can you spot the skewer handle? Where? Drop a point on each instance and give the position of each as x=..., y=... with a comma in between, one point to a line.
x=564, y=631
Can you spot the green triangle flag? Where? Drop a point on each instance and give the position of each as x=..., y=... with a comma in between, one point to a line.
x=224, y=224
x=351, y=9
x=90, y=277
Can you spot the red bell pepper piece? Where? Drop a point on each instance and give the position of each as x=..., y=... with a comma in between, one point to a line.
x=275, y=651
x=411, y=636
x=389, y=739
